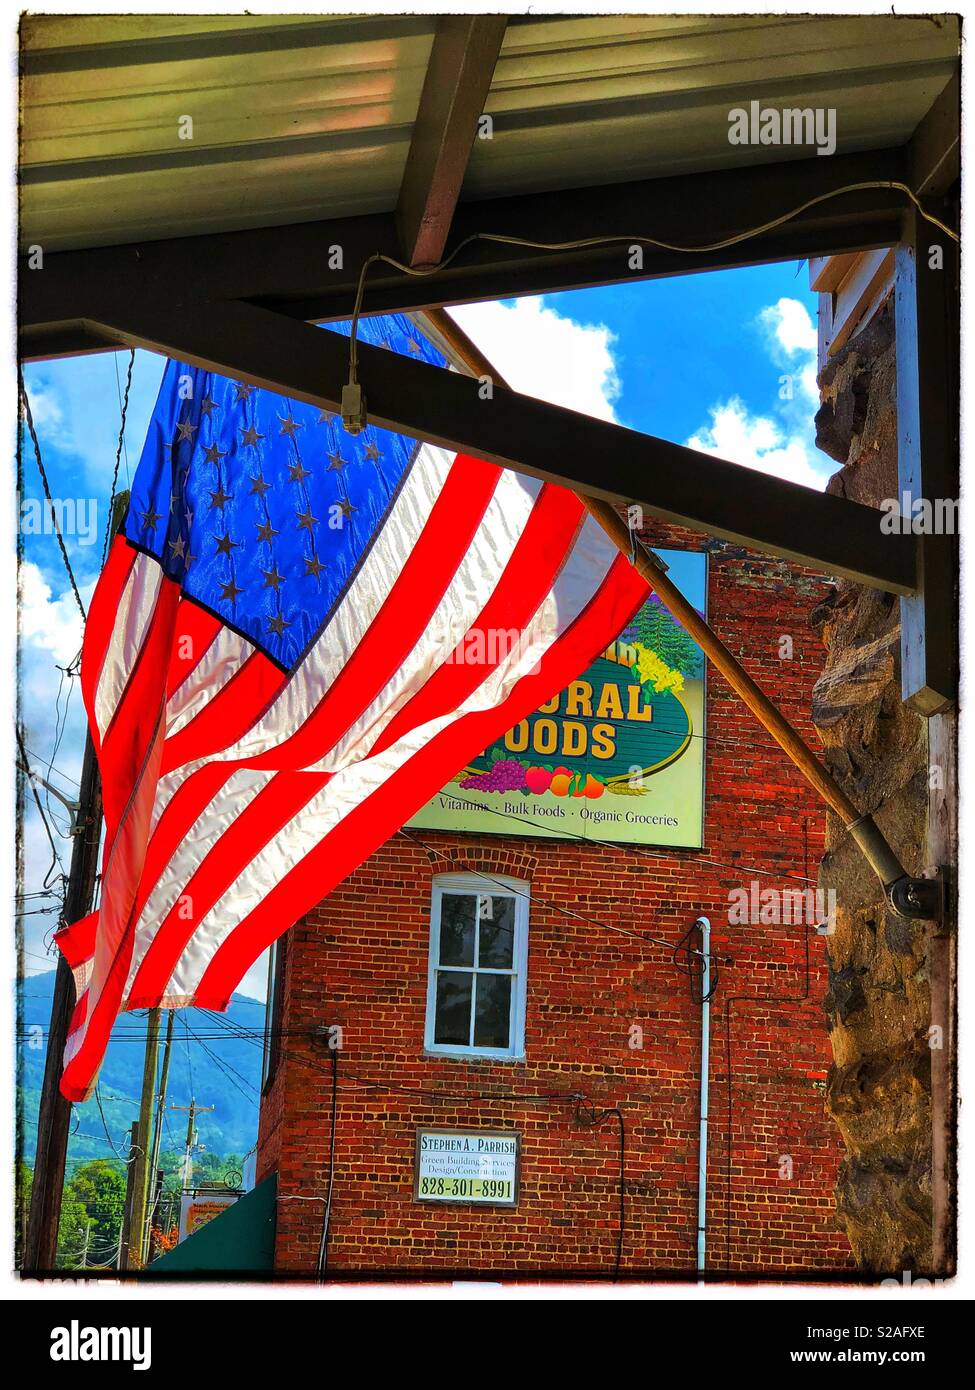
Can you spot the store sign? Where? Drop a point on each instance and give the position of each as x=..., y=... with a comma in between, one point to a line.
x=467, y=1165
x=196, y=1209
x=617, y=755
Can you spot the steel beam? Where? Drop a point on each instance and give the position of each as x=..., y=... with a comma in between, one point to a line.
x=458, y=79
x=680, y=485
x=310, y=270
x=927, y=459
x=934, y=151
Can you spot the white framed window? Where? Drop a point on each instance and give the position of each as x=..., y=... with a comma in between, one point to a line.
x=478, y=966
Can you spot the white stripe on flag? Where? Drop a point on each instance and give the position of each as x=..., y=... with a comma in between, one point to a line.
x=221, y=660
x=132, y=620
x=202, y=836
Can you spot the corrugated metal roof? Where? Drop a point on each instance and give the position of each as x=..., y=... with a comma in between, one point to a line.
x=299, y=117
x=293, y=119
x=600, y=100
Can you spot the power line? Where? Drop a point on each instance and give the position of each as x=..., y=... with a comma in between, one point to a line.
x=327, y=1217
x=135, y=1149
x=60, y=724
x=557, y=907
x=47, y=493
x=224, y=1066
x=123, y=413
x=637, y=850
x=25, y=768
x=189, y=1063
x=587, y=1115
x=66, y=777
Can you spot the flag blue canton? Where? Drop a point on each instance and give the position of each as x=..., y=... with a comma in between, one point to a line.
x=261, y=507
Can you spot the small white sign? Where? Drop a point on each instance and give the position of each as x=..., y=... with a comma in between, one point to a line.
x=467, y=1165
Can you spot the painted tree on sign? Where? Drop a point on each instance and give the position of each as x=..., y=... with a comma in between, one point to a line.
x=654, y=628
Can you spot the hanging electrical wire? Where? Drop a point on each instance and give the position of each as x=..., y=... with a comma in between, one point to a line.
x=25, y=402
x=556, y=907
x=635, y=850
x=56, y=858
x=136, y=1148
x=65, y=777
x=327, y=1217
x=233, y=1076
x=635, y=239
x=123, y=414
x=591, y=1118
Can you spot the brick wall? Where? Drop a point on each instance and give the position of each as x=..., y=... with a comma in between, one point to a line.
x=360, y=961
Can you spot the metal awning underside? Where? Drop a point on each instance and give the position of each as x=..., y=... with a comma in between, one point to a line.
x=301, y=118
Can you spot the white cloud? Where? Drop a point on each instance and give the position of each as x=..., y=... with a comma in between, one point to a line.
x=789, y=322
x=756, y=441
x=780, y=442
x=45, y=410
x=791, y=339
x=542, y=353
x=50, y=622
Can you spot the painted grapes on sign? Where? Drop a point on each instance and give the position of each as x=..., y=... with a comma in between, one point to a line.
x=617, y=755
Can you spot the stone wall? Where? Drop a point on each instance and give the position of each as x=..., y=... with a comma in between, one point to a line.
x=878, y=1005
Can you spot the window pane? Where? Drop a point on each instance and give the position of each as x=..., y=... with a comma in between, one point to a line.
x=457, y=929
x=453, y=1022
x=497, y=939
x=493, y=1011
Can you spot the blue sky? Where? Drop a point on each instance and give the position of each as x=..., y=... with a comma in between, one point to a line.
x=723, y=361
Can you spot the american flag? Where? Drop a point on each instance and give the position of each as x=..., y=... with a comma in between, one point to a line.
x=275, y=670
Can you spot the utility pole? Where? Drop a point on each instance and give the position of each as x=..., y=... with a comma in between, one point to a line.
x=124, y=1244
x=84, y=1250
x=54, y=1115
x=194, y=1110
x=154, y=1215
x=158, y=1123
x=41, y=1245
x=140, y=1168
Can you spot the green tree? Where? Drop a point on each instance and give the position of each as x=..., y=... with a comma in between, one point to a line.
x=100, y=1187
x=91, y=1213
x=73, y=1227
x=23, y=1186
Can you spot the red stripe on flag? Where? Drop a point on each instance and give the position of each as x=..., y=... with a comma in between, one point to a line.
x=273, y=807
x=372, y=822
x=102, y=613
x=231, y=711
x=133, y=725
x=195, y=630
x=187, y=804
x=113, y=953
x=77, y=942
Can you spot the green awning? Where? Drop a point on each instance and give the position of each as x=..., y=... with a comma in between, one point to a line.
x=240, y=1238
